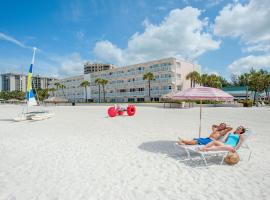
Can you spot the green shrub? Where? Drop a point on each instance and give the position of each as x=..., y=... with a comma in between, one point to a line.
x=246, y=103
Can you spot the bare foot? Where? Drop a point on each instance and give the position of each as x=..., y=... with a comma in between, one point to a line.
x=201, y=149
x=180, y=142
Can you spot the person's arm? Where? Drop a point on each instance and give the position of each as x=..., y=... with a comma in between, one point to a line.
x=225, y=138
x=214, y=127
x=241, y=139
x=227, y=130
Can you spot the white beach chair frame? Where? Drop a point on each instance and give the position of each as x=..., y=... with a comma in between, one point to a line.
x=194, y=149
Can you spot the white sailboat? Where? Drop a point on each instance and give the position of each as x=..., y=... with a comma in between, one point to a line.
x=31, y=100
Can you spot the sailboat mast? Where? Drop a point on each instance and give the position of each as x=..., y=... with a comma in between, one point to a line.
x=34, y=53
x=30, y=95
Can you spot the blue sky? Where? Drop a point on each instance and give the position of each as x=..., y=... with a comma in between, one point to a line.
x=222, y=36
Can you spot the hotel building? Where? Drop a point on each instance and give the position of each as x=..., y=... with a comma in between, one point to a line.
x=12, y=81
x=96, y=67
x=126, y=84
x=72, y=91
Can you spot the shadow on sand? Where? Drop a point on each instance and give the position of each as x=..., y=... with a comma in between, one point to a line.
x=177, y=152
x=7, y=120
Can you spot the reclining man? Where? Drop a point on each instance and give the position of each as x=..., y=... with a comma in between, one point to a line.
x=218, y=131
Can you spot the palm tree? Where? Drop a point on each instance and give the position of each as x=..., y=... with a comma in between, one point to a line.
x=57, y=84
x=62, y=87
x=204, y=79
x=256, y=83
x=104, y=82
x=149, y=77
x=42, y=94
x=266, y=85
x=52, y=90
x=98, y=82
x=244, y=80
x=214, y=81
x=194, y=78
x=85, y=84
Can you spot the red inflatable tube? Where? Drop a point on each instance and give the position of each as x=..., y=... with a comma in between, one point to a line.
x=112, y=112
x=131, y=110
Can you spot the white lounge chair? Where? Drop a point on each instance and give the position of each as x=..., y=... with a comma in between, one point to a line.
x=194, y=149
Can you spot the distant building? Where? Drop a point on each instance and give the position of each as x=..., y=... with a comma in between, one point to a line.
x=13, y=81
x=72, y=91
x=41, y=82
x=96, y=67
x=238, y=92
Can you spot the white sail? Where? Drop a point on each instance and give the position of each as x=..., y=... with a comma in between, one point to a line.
x=31, y=101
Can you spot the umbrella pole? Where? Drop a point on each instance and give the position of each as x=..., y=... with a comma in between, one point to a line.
x=200, y=127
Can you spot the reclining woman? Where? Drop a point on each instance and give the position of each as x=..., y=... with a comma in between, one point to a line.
x=232, y=142
x=218, y=131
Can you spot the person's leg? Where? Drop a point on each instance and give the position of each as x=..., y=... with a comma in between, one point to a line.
x=219, y=148
x=211, y=144
x=188, y=142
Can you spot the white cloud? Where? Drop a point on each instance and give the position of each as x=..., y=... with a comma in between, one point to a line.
x=206, y=70
x=181, y=34
x=257, y=47
x=213, y=3
x=248, y=62
x=249, y=21
x=70, y=65
x=108, y=52
x=12, y=40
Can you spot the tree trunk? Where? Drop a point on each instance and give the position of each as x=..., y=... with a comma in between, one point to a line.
x=103, y=87
x=63, y=93
x=191, y=83
x=85, y=94
x=246, y=93
x=254, y=99
x=99, y=93
x=267, y=95
x=149, y=90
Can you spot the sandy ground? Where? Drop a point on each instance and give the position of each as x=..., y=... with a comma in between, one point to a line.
x=82, y=154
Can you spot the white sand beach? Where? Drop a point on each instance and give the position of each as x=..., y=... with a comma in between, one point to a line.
x=80, y=153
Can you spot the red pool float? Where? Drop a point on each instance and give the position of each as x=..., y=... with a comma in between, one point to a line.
x=120, y=110
x=112, y=112
x=131, y=110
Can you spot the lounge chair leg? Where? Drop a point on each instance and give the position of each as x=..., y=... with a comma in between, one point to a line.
x=188, y=154
x=223, y=157
x=249, y=155
x=204, y=159
x=176, y=146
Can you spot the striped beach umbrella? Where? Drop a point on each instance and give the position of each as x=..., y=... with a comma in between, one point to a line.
x=203, y=93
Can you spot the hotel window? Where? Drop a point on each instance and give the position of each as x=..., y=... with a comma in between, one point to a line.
x=140, y=99
x=131, y=99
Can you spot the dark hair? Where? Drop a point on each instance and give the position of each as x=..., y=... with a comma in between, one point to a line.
x=243, y=129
